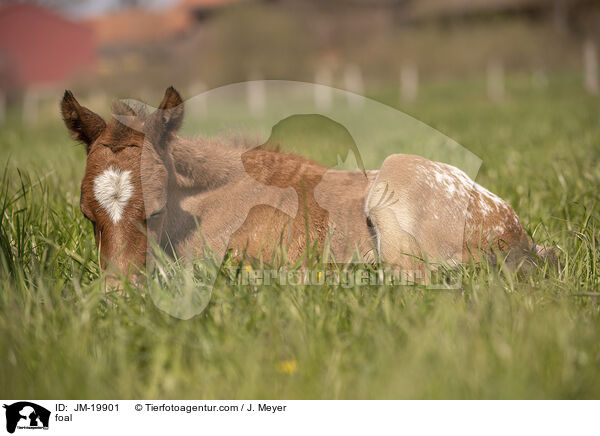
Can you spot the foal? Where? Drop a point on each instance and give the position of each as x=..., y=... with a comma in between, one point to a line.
x=145, y=185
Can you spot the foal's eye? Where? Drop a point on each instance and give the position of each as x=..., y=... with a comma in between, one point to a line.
x=157, y=213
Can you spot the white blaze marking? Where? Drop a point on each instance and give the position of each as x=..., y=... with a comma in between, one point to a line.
x=112, y=190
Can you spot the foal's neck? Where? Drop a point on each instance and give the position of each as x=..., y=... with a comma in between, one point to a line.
x=205, y=164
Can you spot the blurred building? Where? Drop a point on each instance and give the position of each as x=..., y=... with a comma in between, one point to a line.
x=566, y=15
x=40, y=48
x=137, y=26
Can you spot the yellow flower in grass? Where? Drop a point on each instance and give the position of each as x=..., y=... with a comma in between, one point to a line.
x=287, y=367
x=248, y=268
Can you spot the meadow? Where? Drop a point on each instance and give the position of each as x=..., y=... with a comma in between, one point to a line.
x=501, y=336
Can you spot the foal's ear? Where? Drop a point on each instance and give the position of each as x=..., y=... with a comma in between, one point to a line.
x=167, y=119
x=172, y=109
x=85, y=126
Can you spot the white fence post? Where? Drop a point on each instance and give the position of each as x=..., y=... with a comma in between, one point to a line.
x=495, y=80
x=323, y=93
x=539, y=79
x=353, y=82
x=409, y=82
x=30, y=106
x=198, y=98
x=256, y=94
x=2, y=106
x=590, y=67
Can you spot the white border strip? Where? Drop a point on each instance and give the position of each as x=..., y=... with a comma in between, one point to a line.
x=318, y=417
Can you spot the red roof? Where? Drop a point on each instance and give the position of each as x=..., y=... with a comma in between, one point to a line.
x=138, y=26
x=38, y=46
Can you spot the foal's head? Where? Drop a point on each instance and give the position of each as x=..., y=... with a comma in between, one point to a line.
x=120, y=161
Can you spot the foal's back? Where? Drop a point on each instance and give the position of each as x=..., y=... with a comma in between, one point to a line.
x=329, y=214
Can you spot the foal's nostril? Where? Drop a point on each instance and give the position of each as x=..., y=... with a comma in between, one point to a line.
x=111, y=284
x=115, y=284
x=137, y=280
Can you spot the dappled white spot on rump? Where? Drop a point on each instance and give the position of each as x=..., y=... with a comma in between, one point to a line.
x=453, y=180
x=498, y=230
x=497, y=201
x=112, y=190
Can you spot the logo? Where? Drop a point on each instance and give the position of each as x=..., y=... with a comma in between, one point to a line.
x=26, y=415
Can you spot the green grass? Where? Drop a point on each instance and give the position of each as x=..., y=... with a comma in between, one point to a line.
x=502, y=336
